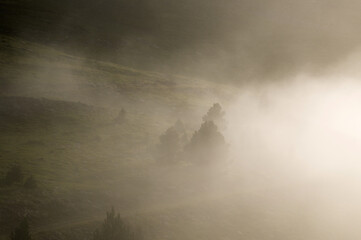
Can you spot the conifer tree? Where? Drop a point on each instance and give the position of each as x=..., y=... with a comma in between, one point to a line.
x=114, y=228
x=207, y=144
x=216, y=115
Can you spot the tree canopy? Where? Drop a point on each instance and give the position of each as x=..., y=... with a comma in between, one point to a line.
x=215, y=114
x=207, y=144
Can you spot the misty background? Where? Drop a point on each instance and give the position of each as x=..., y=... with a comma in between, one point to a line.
x=238, y=41
x=109, y=103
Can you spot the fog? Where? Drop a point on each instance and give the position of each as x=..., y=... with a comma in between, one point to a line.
x=297, y=145
x=279, y=160
x=240, y=41
x=292, y=169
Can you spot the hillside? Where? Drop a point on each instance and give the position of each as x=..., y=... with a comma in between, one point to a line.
x=58, y=121
x=151, y=34
x=29, y=69
x=180, y=120
x=60, y=98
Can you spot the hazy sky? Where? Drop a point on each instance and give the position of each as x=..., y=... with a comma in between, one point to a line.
x=237, y=40
x=271, y=39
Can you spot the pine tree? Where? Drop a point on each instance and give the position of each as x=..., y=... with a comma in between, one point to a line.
x=207, y=145
x=216, y=115
x=114, y=228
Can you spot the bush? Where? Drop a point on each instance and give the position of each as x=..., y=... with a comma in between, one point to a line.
x=114, y=228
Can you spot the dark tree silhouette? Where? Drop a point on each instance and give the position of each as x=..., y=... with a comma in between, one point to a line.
x=207, y=145
x=14, y=174
x=22, y=231
x=216, y=114
x=114, y=228
x=170, y=144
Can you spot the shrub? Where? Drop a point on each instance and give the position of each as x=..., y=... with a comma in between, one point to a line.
x=114, y=228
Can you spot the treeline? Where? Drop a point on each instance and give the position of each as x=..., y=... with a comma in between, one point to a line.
x=112, y=228
x=206, y=146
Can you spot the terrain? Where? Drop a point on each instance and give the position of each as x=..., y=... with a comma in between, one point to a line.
x=58, y=117
x=191, y=119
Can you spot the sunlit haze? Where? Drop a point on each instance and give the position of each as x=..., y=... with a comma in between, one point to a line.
x=180, y=120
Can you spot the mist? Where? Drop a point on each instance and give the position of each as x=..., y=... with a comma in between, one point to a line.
x=192, y=119
x=297, y=146
x=239, y=41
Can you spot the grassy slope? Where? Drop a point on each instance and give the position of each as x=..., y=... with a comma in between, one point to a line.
x=145, y=33
x=57, y=112
x=56, y=120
